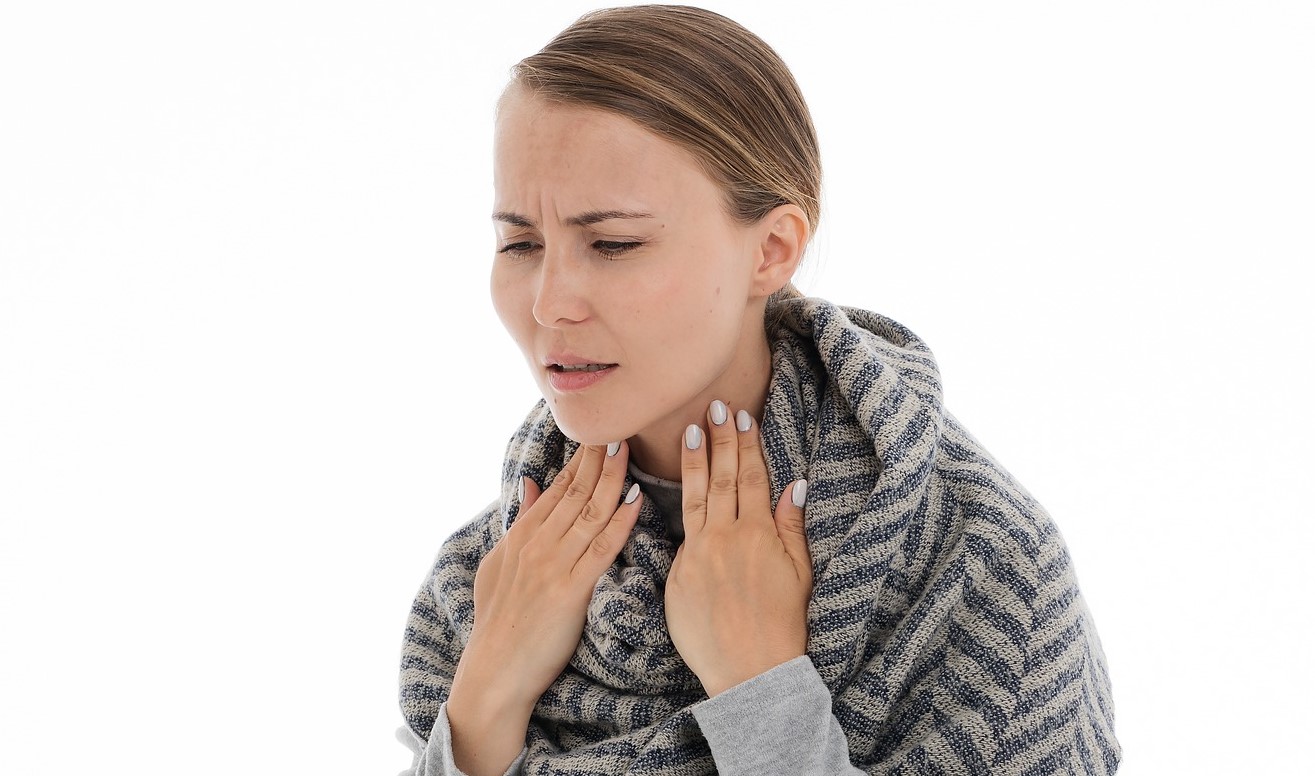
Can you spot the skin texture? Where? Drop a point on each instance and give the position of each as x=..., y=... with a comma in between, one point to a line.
x=681, y=313
x=531, y=593
x=737, y=594
x=675, y=300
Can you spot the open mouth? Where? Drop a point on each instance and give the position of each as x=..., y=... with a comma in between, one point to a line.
x=571, y=368
x=569, y=378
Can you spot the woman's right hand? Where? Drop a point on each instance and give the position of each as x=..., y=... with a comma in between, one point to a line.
x=531, y=594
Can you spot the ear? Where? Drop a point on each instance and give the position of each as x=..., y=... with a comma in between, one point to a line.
x=782, y=236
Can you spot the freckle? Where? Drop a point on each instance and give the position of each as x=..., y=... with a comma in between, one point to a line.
x=718, y=291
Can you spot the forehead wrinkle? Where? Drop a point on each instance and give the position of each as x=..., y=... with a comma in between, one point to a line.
x=595, y=216
x=515, y=219
x=588, y=218
x=554, y=159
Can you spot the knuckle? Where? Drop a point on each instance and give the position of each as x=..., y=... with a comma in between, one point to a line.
x=695, y=503
x=721, y=483
x=751, y=452
x=562, y=478
x=577, y=490
x=601, y=548
x=590, y=513
x=724, y=443
x=531, y=555
x=753, y=476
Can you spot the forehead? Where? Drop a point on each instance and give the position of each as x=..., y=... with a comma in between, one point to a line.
x=540, y=144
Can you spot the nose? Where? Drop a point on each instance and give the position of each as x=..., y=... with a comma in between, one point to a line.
x=562, y=297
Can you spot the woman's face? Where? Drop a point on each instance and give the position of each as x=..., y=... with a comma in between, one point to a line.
x=618, y=272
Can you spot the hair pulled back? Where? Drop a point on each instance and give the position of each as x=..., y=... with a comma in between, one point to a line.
x=701, y=81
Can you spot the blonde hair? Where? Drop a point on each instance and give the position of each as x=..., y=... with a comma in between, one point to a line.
x=701, y=81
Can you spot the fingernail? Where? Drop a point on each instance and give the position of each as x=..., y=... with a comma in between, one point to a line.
x=520, y=489
x=693, y=436
x=612, y=447
x=718, y=412
x=742, y=420
x=633, y=493
x=799, y=493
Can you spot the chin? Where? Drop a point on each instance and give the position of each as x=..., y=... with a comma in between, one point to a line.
x=587, y=431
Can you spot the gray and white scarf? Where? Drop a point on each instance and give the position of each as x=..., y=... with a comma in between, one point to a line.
x=945, y=618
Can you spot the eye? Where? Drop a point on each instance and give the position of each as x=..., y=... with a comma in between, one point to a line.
x=518, y=249
x=610, y=249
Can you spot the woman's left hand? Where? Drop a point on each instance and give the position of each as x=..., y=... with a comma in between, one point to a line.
x=737, y=595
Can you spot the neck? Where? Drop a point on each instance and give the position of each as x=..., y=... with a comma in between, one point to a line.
x=742, y=386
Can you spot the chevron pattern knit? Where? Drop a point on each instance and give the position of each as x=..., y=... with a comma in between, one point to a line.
x=945, y=619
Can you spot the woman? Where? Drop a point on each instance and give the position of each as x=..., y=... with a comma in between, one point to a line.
x=739, y=534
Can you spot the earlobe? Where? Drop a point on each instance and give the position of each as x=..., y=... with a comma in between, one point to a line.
x=784, y=234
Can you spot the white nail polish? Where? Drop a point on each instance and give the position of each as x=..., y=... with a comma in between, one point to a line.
x=693, y=437
x=799, y=493
x=612, y=447
x=742, y=421
x=520, y=489
x=633, y=493
x=718, y=412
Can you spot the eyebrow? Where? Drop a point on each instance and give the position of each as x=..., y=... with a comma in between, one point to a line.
x=584, y=219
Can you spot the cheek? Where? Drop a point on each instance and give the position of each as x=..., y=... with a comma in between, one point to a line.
x=690, y=311
x=710, y=289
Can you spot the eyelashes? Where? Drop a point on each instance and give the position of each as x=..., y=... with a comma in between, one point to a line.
x=517, y=249
x=608, y=249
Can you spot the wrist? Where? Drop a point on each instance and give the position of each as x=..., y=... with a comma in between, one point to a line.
x=487, y=718
x=720, y=681
x=494, y=672
x=488, y=692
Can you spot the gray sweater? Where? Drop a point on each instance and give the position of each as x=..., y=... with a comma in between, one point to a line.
x=777, y=722
x=945, y=620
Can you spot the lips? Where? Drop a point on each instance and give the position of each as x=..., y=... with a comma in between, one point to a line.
x=573, y=362
x=569, y=372
x=579, y=367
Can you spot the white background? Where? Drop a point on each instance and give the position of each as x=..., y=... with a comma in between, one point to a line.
x=250, y=378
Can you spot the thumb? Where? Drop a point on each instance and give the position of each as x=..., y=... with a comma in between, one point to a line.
x=790, y=524
x=529, y=493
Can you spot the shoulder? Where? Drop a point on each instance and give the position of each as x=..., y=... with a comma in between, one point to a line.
x=1004, y=517
x=1017, y=571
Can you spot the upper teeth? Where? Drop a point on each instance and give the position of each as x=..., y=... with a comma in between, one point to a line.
x=582, y=367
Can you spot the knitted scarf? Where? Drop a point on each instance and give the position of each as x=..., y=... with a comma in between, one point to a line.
x=945, y=618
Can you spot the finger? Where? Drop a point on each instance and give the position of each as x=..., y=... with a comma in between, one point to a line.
x=752, y=490
x=604, y=547
x=693, y=480
x=723, y=472
x=597, y=512
x=790, y=526
x=545, y=500
x=577, y=492
x=530, y=492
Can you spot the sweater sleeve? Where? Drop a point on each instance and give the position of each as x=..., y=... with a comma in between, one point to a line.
x=434, y=757
x=777, y=722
